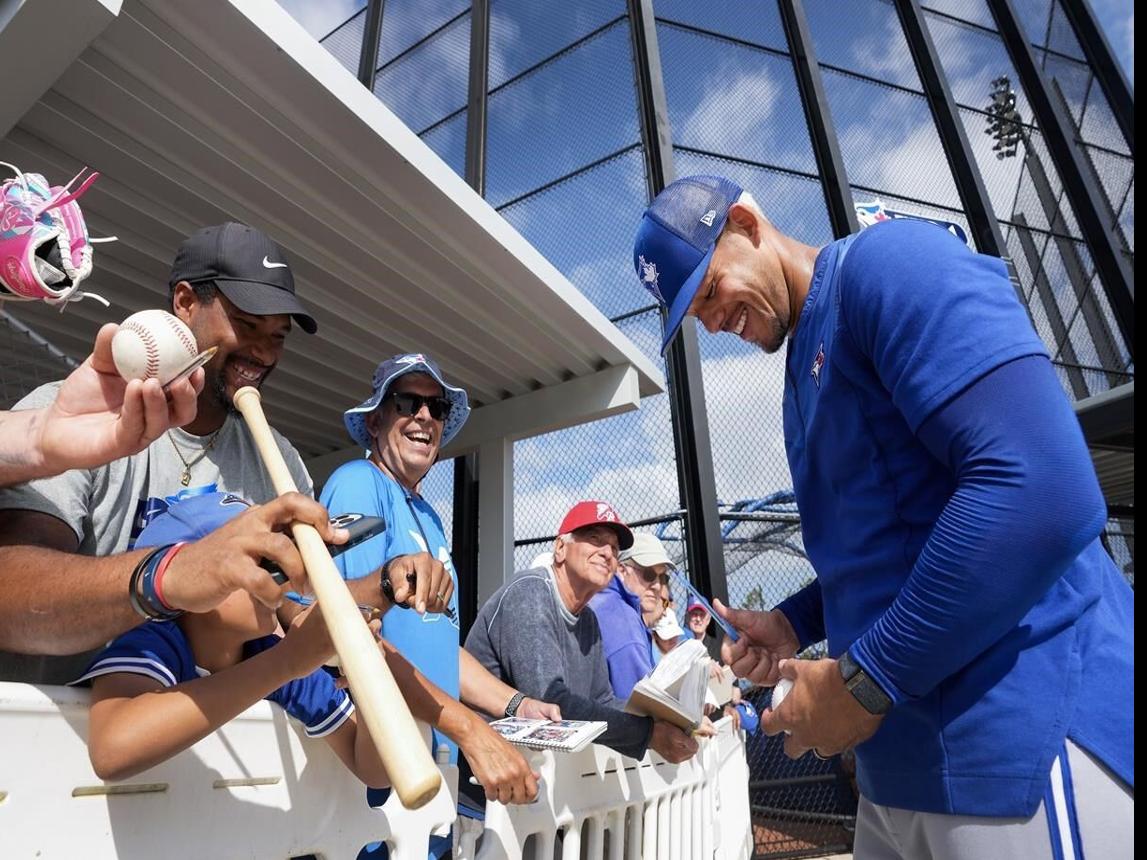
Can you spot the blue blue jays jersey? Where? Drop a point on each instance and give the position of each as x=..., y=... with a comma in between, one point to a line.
x=429, y=641
x=160, y=651
x=899, y=320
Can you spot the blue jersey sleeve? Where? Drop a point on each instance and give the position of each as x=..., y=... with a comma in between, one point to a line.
x=313, y=700
x=1026, y=503
x=353, y=488
x=931, y=315
x=156, y=650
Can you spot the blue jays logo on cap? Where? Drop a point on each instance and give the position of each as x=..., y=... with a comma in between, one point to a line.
x=675, y=241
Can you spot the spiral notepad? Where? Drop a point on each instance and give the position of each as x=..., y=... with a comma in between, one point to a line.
x=560, y=735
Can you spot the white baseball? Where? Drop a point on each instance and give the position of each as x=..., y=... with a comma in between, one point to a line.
x=783, y=688
x=152, y=344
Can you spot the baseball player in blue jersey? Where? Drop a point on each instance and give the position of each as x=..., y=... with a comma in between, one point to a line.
x=981, y=638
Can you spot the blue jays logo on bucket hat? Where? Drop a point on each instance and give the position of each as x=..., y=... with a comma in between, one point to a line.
x=385, y=375
x=675, y=242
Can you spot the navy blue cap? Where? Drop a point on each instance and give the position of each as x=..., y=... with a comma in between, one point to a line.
x=192, y=518
x=676, y=238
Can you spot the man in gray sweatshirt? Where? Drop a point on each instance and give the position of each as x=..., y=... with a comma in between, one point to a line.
x=536, y=633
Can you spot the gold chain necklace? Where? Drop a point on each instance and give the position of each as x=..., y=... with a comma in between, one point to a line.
x=185, y=475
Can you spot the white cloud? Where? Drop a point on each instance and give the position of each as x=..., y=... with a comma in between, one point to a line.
x=734, y=111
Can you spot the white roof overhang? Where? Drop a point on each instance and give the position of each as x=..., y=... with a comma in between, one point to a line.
x=199, y=112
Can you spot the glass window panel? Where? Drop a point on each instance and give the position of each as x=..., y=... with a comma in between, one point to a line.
x=564, y=115
x=888, y=140
x=525, y=32
x=761, y=26
x=795, y=204
x=594, y=247
x=865, y=36
x=727, y=99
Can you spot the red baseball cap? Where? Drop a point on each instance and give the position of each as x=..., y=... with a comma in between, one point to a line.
x=597, y=513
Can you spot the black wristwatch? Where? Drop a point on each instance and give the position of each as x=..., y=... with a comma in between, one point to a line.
x=865, y=690
x=514, y=703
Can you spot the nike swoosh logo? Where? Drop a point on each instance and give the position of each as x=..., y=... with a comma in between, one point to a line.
x=267, y=264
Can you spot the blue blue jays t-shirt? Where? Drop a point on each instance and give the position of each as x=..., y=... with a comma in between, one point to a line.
x=160, y=651
x=428, y=641
x=898, y=320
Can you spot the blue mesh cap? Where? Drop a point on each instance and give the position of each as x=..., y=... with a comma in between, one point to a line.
x=676, y=238
x=191, y=519
x=384, y=375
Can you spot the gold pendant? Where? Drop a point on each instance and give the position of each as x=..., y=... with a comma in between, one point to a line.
x=185, y=478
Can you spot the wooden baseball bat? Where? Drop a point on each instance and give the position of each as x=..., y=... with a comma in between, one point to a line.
x=379, y=703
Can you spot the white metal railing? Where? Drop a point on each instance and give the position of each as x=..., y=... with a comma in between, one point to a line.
x=258, y=788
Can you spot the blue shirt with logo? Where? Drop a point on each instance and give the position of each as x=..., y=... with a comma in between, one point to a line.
x=992, y=654
x=429, y=641
x=625, y=640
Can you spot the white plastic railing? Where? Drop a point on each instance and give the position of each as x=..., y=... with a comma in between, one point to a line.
x=597, y=803
x=257, y=788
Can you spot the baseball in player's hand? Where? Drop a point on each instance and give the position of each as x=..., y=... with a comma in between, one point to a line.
x=97, y=417
x=766, y=639
x=228, y=559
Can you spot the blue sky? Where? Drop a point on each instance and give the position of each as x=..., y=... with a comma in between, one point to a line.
x=1117, y=17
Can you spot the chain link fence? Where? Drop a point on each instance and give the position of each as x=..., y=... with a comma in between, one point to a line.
x=28, y=360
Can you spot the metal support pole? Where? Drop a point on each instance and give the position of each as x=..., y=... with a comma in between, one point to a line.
x=1103, y=65
x=704, y=551
x=371, y=35
x=476, y=104
x=830, y=164
x=1067, y=152
x=464, y=540
x=977, y=205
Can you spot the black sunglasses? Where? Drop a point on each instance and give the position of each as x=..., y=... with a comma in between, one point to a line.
x=648, y=575
x=407, y=403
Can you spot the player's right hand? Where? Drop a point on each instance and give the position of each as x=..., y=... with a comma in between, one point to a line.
x=671, y=743
x=206, y=571
x=766, y=639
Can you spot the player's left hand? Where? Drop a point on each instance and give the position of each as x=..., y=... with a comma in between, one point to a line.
x=97, y=417
x=534, y=709
x=819, y=713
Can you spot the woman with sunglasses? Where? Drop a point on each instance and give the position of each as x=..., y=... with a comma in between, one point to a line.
x=411, y=413
x=636, y=592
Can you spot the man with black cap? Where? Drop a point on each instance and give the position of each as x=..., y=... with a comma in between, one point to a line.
x=538, y=633
x=233, y=287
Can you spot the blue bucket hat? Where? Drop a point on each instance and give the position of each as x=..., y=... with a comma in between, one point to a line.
x=192, y=518
x=675, y=241
x=384, y=375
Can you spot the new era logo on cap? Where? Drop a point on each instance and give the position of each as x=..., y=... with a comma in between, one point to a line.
x=679, y=231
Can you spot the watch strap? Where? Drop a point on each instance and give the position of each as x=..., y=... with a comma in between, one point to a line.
x=862, y=687
x=514, y=703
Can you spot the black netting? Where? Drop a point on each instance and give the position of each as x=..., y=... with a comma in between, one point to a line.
x=888, y=140
x=1119, y=539
x=430, y=81
x=406, y=22
x=595, y=253
x=448, y=140
x=974, y=13
x=525, y=32
x=795, y=204
x=866, y=39
x=574, y=110
x=729, y=99
x=971, y=59
x=345, y=42
x=438, y=489
x=28, y=360
x=763, y=26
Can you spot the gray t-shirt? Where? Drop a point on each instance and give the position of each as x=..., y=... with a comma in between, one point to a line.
x=108, y=507
x=525, y=635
